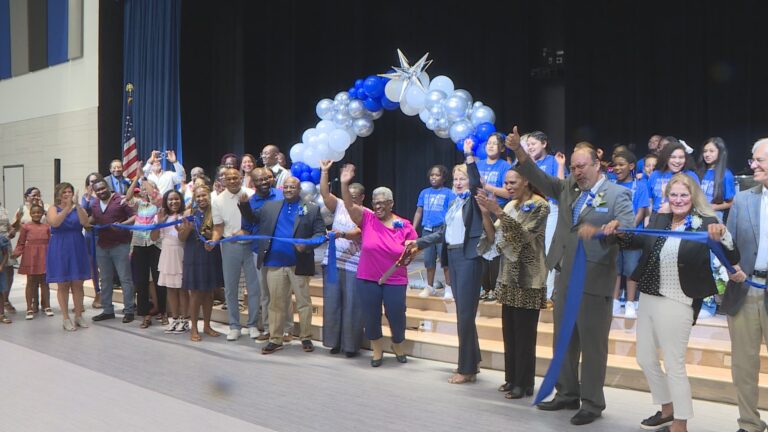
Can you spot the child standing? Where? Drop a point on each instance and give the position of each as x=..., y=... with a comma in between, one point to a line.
x=431, y=208
x=171, y=263
x=717, y=180
x=32, y=247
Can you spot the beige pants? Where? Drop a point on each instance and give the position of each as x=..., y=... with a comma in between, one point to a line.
x=748, y=329
x=280, y=280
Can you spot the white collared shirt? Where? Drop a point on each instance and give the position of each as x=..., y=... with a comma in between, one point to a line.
x=454, y=222
x=761, y=263
x=594, y=190
x=224, y=210
x=166, y=180
x=280, y=175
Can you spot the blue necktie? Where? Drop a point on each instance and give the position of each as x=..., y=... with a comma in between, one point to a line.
x=578, y=205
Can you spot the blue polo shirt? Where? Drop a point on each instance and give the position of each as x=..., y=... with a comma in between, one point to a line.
x=658, y=181
x=493, y=174
x=728, y=186
x=435, y=203
x=256, y=202
x=283, y=254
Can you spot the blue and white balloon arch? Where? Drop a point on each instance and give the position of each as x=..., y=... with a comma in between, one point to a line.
x=448, y=112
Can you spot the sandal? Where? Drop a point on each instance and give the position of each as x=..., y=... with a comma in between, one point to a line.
x=5, y=320
x=9, y=307
x=195, y=337
x=146, y=322
x=48, y=312
x=462, y=379
x=211, y=332
x=30, y=315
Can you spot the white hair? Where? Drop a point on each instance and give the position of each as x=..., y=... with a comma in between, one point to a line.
x=758, y=144
x=384, y=192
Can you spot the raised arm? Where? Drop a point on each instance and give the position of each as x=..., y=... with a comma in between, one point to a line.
x=355, y=211
x=180, y=174
x=129, y=193
x=329, y=199
x=550, y=186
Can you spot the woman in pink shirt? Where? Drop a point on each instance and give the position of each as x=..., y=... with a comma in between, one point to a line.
x=383, y=238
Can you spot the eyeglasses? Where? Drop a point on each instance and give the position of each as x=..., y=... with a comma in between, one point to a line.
x=759, y=161
x=381, y=203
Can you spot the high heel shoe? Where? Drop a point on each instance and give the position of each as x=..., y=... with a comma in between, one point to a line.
x=80, y=322
x=400, y=358
x=68, y=326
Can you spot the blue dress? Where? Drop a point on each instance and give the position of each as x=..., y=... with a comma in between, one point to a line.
x=202, y=270
x=67, y=252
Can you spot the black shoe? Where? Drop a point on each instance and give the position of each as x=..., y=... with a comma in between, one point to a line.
x=335, y=350
x=400, y=358
x=656, y=421
x=558, y=404
x=351, y=354
x=519, y=392
x=127, y=318
x=584, y=417
x=103, y=316
x=307, y=346
x=506, y=387
x=377, y=362
x=270, y=348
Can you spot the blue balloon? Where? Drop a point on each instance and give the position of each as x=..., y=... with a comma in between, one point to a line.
x=361, y=94
x=485, y=130
x=296, y=169
x=460, y=146
x=372, y=104
x=305, y=177
x=306, y=168
x=388, y=104
x=373, y=86
x=359, y=83
x=352, y=91
x=315, y=175
x=481, y=154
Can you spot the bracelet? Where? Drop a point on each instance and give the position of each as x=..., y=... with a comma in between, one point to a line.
x=468, y=154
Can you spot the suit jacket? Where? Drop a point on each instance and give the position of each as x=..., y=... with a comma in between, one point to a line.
x=111, y=181
x=601, y=253
x=744, y=225
x=693, y=259
x=473, y=220
x=307, y=226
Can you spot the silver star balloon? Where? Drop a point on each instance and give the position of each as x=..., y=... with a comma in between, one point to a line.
x=407, y=73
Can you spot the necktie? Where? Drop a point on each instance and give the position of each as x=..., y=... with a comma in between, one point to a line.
x=577, y=206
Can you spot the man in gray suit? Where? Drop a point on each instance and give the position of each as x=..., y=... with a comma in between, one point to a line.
x=746, y=306
x=592, y=201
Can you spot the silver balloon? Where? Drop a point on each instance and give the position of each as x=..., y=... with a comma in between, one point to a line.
x=460, y=130
x=356, y=108
x=465, y=94
x=319, y=201
x=362, y=127
x=483, y=114
x=455, y=108
x=433, y=98
x=437, y=111
x=377, y=114
x=424, y=115
x=442, y=133
x=431, y=123
x=477, y=104
x=326, y=214
x=342, y=120
x=308, y=191
x=324, y=109
x=342, y=97
x=443, y=123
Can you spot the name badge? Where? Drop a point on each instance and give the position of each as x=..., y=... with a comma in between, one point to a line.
x=601, y=209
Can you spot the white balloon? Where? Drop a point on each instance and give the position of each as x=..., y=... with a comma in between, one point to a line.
x=338, y=140
x=324, y=109
x=323, y=150
x=483, y=114
x=308, y=134
x=325, y=126
x=321, y=138
x=407, y=109
x=352, y=135
x=337, y=156
x=415, y=97
x=311, y=157
x=392, y=90
x=443, y=83
x=297, y=152
x=424, y=115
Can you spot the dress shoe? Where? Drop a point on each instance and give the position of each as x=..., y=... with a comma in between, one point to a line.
x=270, y=348
x=103, y=316
x=262, y=337
x=506, y=387
x=519, y=393
x=656, y=421
x=584, y=417
x=335, y=350
x=128, y=318
x=307, y=346
x=377, y=362
x=351, y=354
x=558, y=404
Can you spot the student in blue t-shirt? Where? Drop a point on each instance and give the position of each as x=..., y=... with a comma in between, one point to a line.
x=672, y=160
x=494, y=167
x=537, y=147
x=627, y=260
x=431, y=208
x=717, y=180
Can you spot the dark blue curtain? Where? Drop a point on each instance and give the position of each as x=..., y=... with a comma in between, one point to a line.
x=151, y=64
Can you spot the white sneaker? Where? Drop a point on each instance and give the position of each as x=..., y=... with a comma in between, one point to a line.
x=629, y=310
x=427, y=291
x=448, y=295
x=253, y=332
x=233, y=334
x=173, y=326
x=245, y=331
x=616, y=307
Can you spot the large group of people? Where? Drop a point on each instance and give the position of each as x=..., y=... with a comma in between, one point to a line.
x=507, y=231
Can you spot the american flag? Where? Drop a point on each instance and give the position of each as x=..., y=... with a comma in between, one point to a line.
x=130, y=154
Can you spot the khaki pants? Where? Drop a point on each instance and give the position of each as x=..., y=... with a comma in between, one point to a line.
x=280, y=280
x=748, y=329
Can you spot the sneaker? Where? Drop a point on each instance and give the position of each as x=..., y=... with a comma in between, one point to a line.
x=48, y=312
x=80, y=322
x=617, y=307
x=656, y=421
x=253, y=332
x=183, y=327
x=630, y=311
x=30, y=315
x=173, y=327
x=484, y=295
x=233, y=334
x=427, y=291
x=448, y=295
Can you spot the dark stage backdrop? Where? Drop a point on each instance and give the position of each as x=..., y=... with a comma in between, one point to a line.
x=252, y=72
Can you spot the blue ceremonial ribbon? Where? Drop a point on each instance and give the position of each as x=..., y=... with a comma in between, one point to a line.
x=576, y=289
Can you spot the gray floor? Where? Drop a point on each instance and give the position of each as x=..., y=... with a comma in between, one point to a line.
x=118, y=377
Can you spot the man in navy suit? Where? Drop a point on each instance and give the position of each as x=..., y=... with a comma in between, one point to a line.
x=746, y=306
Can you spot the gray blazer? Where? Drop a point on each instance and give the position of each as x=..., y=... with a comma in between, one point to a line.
x=601, y=253
x=744, y=225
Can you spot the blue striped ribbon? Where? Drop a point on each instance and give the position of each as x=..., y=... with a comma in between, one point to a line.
x=576, y=290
